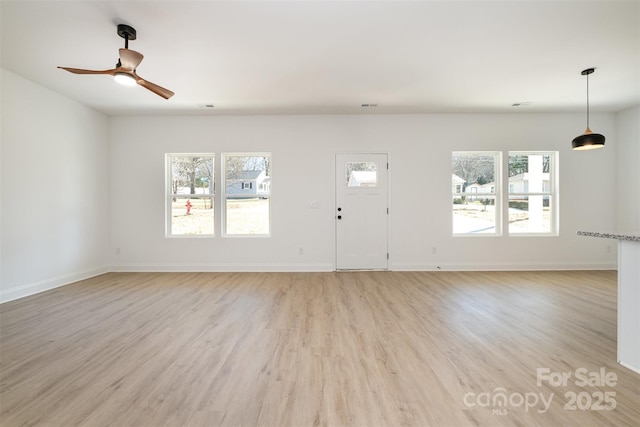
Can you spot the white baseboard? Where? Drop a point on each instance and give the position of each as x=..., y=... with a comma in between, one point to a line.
x=322, y=267
x=503, y=267
x=635, y=369
x=48, y=284
x=222, y=268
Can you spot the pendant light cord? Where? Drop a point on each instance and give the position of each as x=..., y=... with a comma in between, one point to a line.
x=587, y=100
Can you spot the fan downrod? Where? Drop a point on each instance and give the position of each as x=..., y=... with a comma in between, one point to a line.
x=126, y=32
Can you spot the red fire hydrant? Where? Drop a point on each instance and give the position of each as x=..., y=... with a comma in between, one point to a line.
x=188, y=205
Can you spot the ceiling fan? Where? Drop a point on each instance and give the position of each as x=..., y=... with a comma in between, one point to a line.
x=125, y=71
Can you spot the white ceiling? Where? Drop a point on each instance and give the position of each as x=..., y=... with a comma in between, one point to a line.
x=283, y=57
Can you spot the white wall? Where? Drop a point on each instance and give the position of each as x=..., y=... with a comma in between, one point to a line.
x=54, y=198
x=628, y=166
x=303, y=149
x=70, y=174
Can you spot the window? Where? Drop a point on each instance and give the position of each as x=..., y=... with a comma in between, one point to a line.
x=190, y=195
x=532, y=195
x=247, y=192
x=531, y=205
x=362, y=174
x=476, y=204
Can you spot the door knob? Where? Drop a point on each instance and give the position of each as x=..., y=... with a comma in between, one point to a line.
x=339, y=217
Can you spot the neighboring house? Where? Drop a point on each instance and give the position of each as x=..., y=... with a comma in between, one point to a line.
x=363, y=179
x=248, y=184
x=456, y=183
x=517, y=184
x=520, y=183
x=478, y=189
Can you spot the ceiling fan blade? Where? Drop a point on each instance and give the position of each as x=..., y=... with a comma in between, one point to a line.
x=158, y=90
x=82, y=71
x=130, y=59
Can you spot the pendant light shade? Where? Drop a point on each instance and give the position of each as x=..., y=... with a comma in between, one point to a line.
x=588, y=140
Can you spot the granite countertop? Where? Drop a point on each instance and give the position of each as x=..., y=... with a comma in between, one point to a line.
x=629, y=237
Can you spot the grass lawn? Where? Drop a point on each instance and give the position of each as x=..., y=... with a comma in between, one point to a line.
x=244, y=216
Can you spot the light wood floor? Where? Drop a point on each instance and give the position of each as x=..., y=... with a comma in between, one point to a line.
x=312, y=349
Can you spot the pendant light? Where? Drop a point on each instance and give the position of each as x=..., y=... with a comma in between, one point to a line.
x=588, y=140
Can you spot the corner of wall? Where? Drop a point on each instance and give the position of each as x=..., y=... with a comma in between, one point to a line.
x=628, y=174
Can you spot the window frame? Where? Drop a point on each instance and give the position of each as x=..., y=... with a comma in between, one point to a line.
x=224, y=196
x=170, y=195
x=551, y=193
x=496, y=194
x=504, y=189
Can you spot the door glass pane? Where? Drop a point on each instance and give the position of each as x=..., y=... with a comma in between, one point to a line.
x=361, y=174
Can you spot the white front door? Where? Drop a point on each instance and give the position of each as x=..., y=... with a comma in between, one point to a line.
x=361, y=212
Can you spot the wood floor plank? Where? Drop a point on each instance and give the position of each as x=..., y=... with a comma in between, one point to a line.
x=312, y=349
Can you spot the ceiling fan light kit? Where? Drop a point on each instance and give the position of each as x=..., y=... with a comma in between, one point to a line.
x=125, y=79
x=588, y=140
x=125, y=71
